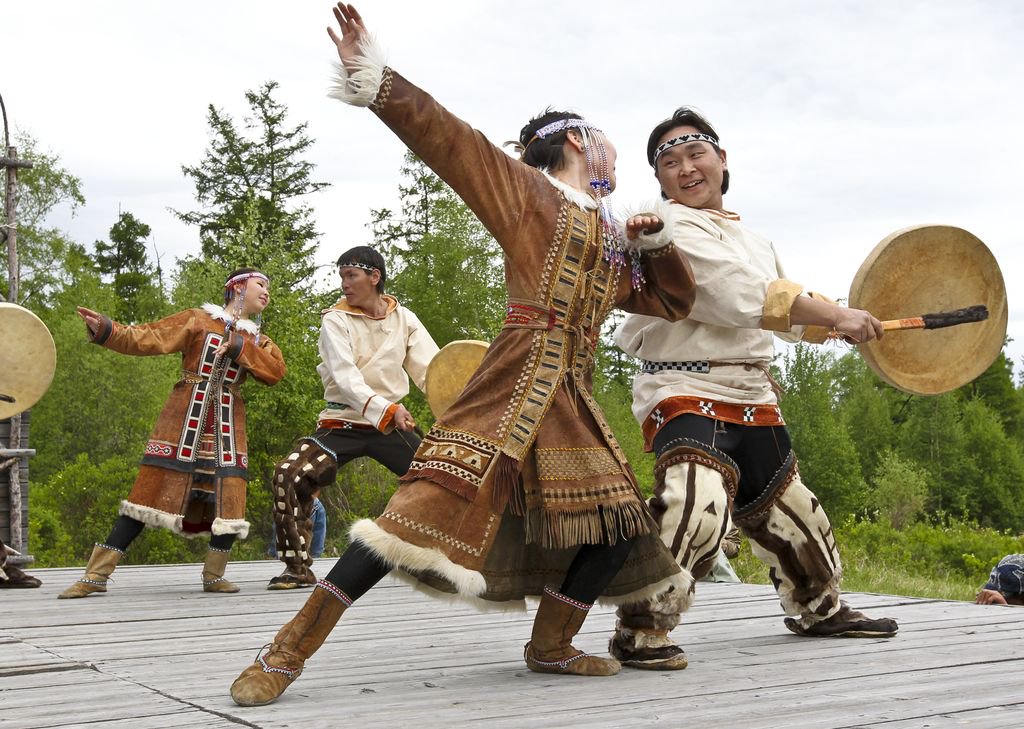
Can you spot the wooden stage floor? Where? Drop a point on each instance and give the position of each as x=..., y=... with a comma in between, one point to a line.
x=155, y=651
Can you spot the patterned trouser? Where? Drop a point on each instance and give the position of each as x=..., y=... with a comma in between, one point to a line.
x=313, y=464
x=710, y=474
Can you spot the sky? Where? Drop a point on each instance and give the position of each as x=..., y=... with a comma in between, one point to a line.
x=843, y=121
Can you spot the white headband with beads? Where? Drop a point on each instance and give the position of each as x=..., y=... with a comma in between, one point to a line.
x=242, y=277
x=683, y=139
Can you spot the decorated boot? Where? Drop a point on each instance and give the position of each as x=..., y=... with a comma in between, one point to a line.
x=845, y=623
x=641, y=637
x=101, y=565
x=266, y=679
x=213, y=571
x=550, y=650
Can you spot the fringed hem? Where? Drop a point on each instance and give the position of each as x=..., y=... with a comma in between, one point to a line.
x=676, y=582
x=566, y=529
x=506, y=486
x=456, y=485
x=410, y=558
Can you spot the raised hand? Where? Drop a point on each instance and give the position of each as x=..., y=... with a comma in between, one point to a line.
x=352, y=32
x=644, y=223
x=91, y=318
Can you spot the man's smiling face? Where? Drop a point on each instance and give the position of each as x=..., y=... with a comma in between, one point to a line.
x=691, y=173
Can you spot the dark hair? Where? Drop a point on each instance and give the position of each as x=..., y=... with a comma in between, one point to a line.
x=684, y=116
x=545, y=152
x=366, y=256
x=236, y=272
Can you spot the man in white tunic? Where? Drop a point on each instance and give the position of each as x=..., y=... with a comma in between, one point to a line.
x=370, y=345
x=708, y=408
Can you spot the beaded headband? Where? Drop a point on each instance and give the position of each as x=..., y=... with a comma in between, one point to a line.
x=683, y=139
x=557, y=126
x=245, y=277
x=363, y=266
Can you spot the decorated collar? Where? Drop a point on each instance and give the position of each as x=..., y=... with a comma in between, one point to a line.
x=580, y=198
x=343, y=305
x=682, y=139
x=218, y=312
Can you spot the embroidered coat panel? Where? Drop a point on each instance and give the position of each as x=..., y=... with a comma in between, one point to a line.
x=526, y=428
x=207, y=394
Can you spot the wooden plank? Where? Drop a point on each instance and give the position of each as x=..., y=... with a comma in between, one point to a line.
x=399, y=658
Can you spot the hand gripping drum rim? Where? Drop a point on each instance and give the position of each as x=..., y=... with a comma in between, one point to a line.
x=450, y=370
x=923, y=269
x=28, y=359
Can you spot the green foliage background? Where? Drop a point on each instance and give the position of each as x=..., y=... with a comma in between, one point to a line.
x=926, y=493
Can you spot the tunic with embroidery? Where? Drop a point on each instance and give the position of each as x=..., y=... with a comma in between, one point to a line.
x=523, y=468
x=743, y=302
x=200, y=436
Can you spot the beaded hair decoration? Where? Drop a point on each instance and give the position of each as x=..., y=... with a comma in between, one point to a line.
x=683, y=139
x=257, y=319
x=613, y=247
x=363, y=266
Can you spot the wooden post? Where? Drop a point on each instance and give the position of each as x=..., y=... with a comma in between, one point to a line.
x=11, y=163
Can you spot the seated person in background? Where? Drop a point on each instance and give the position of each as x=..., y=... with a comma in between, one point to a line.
x=1005, y=584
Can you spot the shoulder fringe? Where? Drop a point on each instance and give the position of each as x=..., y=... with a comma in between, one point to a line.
x=361, y=87
x=644, y=242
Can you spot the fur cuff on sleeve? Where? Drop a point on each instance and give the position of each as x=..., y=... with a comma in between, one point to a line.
x=653, y=241
x=361, y=87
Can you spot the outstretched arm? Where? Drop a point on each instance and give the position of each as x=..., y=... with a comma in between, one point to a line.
x=855, y=325
x=496, y=187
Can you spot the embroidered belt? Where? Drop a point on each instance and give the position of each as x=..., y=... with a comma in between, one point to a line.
x=729, y=412
x=338, y=424
x=520, y=315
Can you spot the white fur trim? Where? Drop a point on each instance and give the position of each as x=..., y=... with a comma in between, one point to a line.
x=645, y=242
x=164, y=520
x=577, y=197
x=409, y=557
x=361, y=87
x=218, y=312
x=239, y=527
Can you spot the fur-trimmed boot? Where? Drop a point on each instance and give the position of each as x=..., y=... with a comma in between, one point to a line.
x=266, y=679
x=550, y=650
x=101, y=565
x=213, y=571
x=641, y=637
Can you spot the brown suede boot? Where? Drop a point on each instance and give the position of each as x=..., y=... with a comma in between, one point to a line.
x=101, y=565
x=266, y=679
x=213, y=571
x=559, y=619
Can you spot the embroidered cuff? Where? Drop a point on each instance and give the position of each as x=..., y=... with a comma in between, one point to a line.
x=653, y=241
x=362, y=86
x=379, y=411
x=104, y=332
x=778, y=303
x=814, y=333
